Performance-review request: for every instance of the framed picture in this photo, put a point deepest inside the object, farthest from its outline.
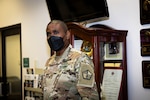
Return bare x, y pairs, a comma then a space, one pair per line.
146, 73
145, 42
145, 11
113, 51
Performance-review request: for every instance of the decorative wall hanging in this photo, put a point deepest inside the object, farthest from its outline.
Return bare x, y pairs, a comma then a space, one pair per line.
146, 73
145, 11
145, 42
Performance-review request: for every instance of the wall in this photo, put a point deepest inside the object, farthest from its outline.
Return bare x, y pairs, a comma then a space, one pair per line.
33, 16
125, 15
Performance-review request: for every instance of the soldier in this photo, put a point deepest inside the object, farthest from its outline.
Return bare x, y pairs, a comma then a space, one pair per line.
69, 73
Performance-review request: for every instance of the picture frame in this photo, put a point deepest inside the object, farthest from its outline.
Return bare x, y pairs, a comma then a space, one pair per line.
144, 12
146, 74
110, 53
145, 42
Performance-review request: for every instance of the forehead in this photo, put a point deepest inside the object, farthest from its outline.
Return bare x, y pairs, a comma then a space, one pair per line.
54, 26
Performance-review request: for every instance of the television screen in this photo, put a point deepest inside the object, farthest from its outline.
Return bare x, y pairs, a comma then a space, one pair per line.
77, 10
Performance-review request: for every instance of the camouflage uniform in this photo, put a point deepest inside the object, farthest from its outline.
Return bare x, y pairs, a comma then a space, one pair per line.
70, 77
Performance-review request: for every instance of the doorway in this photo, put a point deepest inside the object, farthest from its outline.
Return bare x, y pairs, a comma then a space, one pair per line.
11, 67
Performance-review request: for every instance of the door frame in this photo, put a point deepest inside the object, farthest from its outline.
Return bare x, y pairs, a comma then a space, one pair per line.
8, 31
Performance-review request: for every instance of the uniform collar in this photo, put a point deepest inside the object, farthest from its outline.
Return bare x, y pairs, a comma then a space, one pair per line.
64, 55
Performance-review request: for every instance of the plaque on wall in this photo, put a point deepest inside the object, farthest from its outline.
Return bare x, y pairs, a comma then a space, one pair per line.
146, 73
145, 42
145, 11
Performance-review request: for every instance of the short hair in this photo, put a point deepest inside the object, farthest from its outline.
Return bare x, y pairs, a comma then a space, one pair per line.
62, 24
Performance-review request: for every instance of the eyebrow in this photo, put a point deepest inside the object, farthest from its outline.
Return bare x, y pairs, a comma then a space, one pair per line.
53, 31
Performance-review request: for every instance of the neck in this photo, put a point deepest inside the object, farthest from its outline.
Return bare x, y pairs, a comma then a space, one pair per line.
60, 52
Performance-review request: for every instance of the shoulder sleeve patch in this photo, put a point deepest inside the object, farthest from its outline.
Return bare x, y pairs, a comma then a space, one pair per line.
86, 75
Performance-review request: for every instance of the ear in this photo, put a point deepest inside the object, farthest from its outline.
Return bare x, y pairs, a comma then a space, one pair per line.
68, 35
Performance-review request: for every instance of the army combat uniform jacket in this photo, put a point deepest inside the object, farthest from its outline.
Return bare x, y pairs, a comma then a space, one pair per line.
70, 77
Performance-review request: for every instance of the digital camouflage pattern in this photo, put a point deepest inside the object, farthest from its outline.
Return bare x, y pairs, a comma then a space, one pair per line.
70, 77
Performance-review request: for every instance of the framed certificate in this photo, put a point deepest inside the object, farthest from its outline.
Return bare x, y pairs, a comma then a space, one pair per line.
146, 73
111, 84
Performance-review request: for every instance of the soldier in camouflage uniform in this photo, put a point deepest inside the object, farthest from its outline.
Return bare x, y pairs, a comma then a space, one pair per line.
69, 74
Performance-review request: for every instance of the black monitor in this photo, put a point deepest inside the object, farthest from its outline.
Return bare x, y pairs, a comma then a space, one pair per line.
78, 10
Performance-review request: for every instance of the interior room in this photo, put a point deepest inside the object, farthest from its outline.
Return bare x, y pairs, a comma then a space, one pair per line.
32, 17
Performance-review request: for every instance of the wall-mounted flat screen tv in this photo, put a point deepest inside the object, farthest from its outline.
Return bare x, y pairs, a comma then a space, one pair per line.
77, 10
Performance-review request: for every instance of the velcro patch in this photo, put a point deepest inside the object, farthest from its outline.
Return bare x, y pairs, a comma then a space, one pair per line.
86, 75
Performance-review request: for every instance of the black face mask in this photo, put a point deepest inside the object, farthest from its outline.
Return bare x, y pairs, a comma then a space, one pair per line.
56, 43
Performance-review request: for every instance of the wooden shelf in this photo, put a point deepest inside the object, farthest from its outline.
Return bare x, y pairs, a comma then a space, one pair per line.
39, 90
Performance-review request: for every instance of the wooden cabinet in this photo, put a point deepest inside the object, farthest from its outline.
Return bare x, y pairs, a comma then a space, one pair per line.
108, 53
